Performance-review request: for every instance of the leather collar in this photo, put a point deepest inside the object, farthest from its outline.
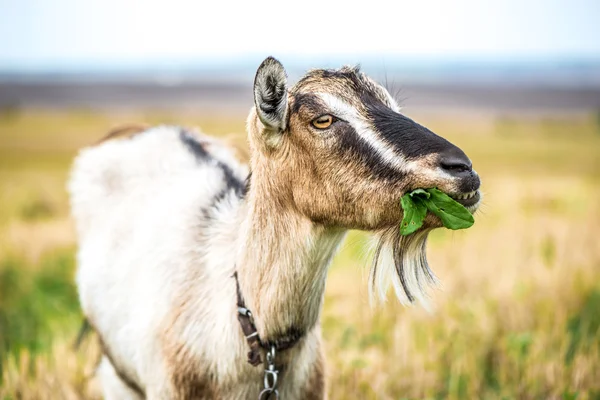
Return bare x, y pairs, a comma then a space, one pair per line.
246, 321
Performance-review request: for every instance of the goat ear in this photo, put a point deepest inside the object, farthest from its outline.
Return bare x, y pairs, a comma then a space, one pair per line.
270, 94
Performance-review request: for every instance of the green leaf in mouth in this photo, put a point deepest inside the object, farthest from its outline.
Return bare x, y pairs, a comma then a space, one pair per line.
416, 203
415, 211
453, 214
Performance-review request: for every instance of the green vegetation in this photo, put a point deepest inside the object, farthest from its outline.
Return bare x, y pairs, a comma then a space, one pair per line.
518, 316
416, 203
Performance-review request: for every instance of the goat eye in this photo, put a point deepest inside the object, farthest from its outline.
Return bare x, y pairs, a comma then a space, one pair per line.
323, 122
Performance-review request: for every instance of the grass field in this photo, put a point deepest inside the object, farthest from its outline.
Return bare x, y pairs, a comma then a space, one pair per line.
517, 317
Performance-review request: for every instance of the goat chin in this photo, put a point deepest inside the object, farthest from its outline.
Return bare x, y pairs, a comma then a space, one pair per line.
401, 261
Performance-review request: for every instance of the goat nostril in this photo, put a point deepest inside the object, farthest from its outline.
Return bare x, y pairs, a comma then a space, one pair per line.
456, 167
455, 164
454, 161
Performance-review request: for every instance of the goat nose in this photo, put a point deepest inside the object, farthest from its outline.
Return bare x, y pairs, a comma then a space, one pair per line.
455, 162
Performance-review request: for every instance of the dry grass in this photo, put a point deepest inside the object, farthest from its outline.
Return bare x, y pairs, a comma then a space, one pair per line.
518, 315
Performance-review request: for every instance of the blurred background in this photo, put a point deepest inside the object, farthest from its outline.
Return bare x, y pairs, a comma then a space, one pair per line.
516, 84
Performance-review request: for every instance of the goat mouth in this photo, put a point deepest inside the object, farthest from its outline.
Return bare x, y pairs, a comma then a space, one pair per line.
470, 200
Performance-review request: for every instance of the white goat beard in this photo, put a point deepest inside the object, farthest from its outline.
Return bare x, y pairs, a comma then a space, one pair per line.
402, 262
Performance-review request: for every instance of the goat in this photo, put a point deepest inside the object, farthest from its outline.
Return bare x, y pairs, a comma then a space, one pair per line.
174, 231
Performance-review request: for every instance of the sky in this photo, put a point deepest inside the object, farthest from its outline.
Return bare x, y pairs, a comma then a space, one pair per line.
54, 34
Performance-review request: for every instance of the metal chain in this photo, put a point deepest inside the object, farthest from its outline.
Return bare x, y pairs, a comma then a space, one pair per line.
270, 391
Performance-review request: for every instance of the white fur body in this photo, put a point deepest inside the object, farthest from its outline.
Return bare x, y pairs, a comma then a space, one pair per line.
144, 244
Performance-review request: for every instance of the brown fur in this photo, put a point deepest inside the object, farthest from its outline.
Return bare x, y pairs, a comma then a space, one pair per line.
326, 186
306, 183
344, 84
188, 377
316, 388
125, 131
302, 185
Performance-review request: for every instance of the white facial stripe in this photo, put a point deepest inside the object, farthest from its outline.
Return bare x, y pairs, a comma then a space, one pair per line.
397, 161
348, 113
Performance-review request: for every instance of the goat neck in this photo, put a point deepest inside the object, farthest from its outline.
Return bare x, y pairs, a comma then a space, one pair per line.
282, 265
